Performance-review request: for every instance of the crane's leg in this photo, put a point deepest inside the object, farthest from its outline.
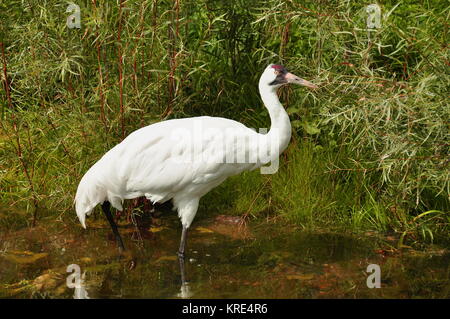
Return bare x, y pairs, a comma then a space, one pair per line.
182, 243
181, 258
182, 272
106, 206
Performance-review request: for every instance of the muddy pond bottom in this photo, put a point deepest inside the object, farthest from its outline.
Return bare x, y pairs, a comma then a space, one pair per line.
224, 259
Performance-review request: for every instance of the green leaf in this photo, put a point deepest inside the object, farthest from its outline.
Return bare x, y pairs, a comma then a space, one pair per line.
292, 110
296, 124
310, 128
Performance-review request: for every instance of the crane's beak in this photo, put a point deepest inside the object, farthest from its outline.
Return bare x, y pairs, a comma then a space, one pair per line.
292, 78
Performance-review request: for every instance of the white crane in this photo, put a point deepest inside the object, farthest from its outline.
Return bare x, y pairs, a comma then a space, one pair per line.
183, 159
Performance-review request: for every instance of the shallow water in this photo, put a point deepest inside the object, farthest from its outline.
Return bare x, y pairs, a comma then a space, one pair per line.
223, 260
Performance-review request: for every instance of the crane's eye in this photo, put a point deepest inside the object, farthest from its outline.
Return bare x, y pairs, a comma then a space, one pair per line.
277, 72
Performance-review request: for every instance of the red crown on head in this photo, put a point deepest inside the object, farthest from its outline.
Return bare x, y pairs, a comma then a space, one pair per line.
277, 67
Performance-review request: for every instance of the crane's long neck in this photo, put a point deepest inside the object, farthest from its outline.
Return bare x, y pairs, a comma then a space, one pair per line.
280, 129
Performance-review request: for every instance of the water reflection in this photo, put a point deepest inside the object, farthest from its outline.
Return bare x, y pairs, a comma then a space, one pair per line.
271, 263
185, 290
80, 289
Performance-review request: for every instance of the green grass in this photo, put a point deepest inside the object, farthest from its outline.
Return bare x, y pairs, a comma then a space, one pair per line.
307, 193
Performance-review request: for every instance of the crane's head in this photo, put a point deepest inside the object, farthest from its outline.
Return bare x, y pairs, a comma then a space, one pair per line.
276, 75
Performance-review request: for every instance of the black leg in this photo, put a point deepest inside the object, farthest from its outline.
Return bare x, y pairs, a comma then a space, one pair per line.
182, 243
106, 206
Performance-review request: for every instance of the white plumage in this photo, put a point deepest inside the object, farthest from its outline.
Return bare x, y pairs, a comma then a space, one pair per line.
183, 159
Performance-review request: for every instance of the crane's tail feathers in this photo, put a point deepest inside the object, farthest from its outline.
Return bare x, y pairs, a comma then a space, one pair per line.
82, 219
89, 194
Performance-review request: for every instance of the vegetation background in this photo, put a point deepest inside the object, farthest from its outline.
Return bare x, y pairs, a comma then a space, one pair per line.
370, 149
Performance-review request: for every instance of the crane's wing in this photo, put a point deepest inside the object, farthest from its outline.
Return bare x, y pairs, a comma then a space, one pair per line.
185, 155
